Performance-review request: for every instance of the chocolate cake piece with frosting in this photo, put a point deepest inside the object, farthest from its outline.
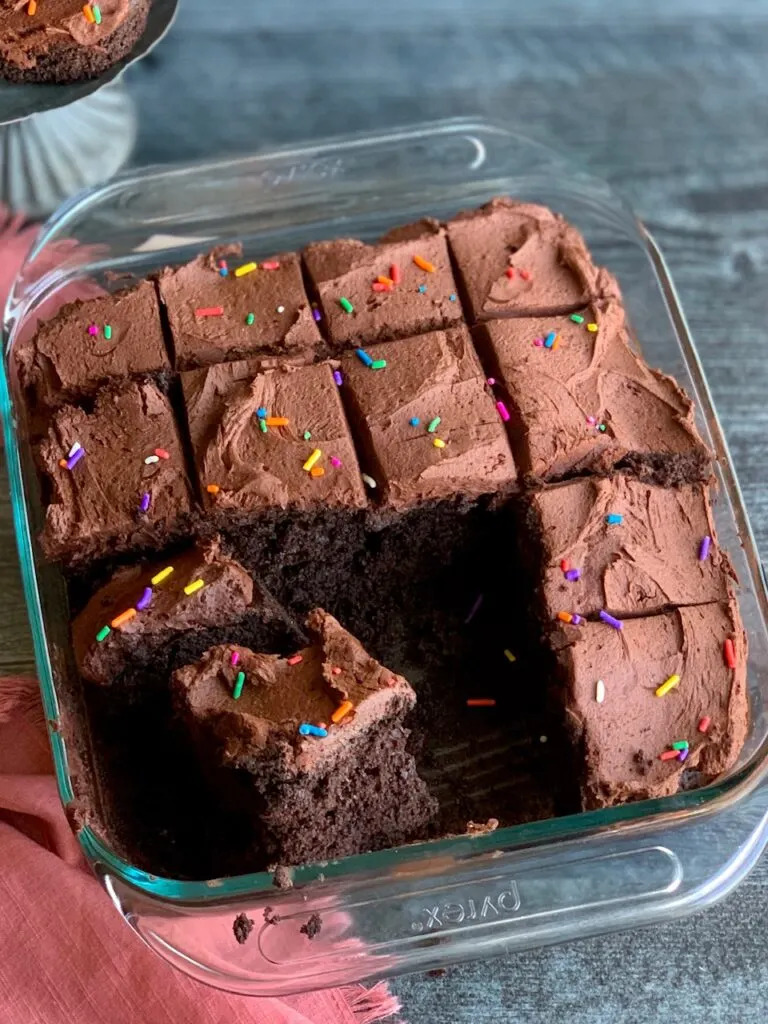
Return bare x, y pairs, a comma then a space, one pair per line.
401, 286
519, 259
321, 738
66, 40
426, 423
89, 343
224, 306
581, 399
665, 694
114, 478
624, 546
148, 617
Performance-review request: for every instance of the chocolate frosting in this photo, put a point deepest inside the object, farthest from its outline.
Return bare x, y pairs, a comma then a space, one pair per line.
278, 696
283, 330
256, 470
624, 735
227, 595
348, 268
647, 562
560, 397
553, 271
63, 362
96, 504
24, 39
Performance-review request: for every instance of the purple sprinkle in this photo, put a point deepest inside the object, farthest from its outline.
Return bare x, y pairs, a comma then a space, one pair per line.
337, 377
573, 574
145, 503
683, 754
610, 621
704, 549
73, 460
335, 462
474, 609
316, 315
144, 600
576, 620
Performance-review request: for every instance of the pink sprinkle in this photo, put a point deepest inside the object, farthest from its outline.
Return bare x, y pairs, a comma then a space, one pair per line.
335, 462
235, 658
295, 659
491, 381
336, 671
93, 329
145, 503
271, 265
591, 421
145, 599
538, 342
503, 412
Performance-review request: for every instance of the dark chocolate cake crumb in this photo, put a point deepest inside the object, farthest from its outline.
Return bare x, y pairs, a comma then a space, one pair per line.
312, 927
283, 879
242, 927
271, 916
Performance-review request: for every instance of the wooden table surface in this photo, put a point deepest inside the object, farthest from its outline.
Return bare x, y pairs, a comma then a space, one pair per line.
669, 100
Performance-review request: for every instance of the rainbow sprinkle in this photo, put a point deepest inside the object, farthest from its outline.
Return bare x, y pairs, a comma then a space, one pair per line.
346, 305
295, 659
88, 14
729, 653
614, 519
433, 425
577, 319
151, 460
305, 729
193, 587
509, 655
313, 458
667, 685
335, 462
600, 691
414, 421
271, 265
474, 609
549, 341
246, 268
162, 575
124, 617
210, 311
108, 331
103, 634
145, 501
481, 702
337, 378
363, 356
74, 458
379, 364
704, 549
368, 480
572, 575
423, 264
438, 442
609, 620
250, 319
238, 687
705, 723
342, 711
235, 657
145, 600
502, 411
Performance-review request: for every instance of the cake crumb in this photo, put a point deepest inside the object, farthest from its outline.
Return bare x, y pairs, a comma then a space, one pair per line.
242, 927
282, 878
312, 927
475, 828
271, 916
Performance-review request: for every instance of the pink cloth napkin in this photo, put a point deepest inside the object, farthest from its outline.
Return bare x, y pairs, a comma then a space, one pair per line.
66, 957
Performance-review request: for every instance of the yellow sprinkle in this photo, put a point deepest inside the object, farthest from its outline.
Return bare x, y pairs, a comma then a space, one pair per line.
247, 268
667, 685
592, 328
424, 264
213, 488
342, 711
438, 443
316, 454
509, 655
163, 575
194, 586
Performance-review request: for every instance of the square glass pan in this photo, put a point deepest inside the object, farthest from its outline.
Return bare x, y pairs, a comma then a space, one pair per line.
430, 904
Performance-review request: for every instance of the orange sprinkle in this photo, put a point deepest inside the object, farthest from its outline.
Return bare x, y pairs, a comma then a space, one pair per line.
63, 463
89, 15
317, 471
336, 671
122, 619
277, 421
32, 7
555, 344
705, 723
394, 273
424, 264
730, 653
669, 755
342, 710
565, 616
213, 488
385, 280
295, 660
481, 702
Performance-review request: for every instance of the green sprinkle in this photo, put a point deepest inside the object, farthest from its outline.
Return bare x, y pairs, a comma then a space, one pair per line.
103, 633
378, 364
238, 685
263, 426
346, 305
602, 427
307, 436
249, 319
680, 745
577, 319
96, 13
433, 425
107, 331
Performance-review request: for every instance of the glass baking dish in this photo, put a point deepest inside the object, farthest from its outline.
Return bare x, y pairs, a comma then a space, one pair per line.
430, 904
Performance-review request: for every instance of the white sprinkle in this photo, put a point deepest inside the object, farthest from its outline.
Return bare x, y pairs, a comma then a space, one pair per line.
542, 739
281, 309
369, 480
600, 691
150, 459
75, 448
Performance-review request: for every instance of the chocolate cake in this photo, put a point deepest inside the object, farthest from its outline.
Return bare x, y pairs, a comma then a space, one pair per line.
664, 695
321, 737
624, 546
224, 306
66, 40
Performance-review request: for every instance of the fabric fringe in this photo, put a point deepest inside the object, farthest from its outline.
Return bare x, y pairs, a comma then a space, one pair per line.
371, 1004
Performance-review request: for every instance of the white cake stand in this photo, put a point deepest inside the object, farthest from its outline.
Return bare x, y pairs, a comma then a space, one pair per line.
58, 139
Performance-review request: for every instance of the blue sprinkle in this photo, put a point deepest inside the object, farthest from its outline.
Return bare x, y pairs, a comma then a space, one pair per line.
312, 730
550, 339
261, 412
415, 421
614, 518
422, 288
452, 297
363, 356
223, 271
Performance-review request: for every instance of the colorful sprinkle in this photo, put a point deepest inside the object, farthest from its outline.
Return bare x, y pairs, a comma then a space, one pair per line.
32, 7
565, 565
474, 609
161, 453
422, 289
577, 319
614, 518
680, 745
193, 587
602, 427
704, 548
307, 435
363, 356
295, 659
317, 471
668, 755
213, 488
502, 411
379, 364
490, 381
549, 341
313, 458
281, 309
667, 685
271, 265
591, 421
378, 287
525, 274
704, 723
262, 411
342, 711
385, 280
394, 273
75, 448
452, 297
209, 311
538, 342
729, 653
162, 575
238, 687
572, 575
481, 702
609, 620
103, 634
592, 328
335, 462
277, 421
305, 729
438, 442
510, 272
423, 264
599, 691
509, 655
151, 460
338, 379
108, 331
234, 658
96, 13
556, 344
145, 600
569, 618
224, 271
335, 671
263, 426
368, 481
250, 319
90, 17
73, 460
346, 305
317, 315
433, 425
414, 421
124, 617
246, 268
146, 498
683, 754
